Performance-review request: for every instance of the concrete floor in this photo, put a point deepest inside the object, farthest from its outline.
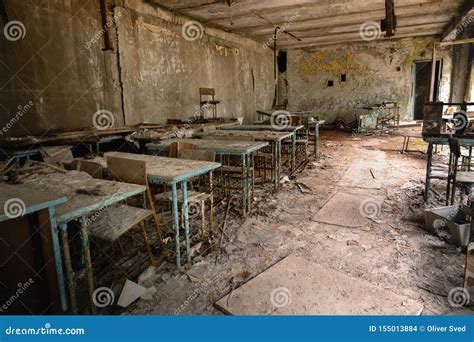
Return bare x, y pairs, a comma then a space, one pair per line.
391, 251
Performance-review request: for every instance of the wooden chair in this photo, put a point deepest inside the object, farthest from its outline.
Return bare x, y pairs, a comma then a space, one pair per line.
196, 200
94, 169
457, 179
134, 171
177, 147
207, 99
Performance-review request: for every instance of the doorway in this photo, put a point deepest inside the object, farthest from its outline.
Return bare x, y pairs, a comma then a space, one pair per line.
421, 86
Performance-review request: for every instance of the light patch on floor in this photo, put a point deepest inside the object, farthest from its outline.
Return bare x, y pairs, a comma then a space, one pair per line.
295, 286
350, 210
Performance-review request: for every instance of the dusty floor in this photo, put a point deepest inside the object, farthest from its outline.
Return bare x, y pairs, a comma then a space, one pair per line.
392, 251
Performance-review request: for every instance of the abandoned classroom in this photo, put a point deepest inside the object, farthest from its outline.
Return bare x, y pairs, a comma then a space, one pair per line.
231, 157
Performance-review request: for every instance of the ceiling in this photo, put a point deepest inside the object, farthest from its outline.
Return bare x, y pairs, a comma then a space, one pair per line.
317, 22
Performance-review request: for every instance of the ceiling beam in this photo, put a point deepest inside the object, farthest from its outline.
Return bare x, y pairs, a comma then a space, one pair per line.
465, 17
342, 28
259, 19
355, 37
339, 20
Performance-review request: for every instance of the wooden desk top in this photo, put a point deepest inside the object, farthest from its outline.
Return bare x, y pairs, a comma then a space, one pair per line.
269, 112
85, 195
257, 135
169, 170
256, 127
22, 199
227, 147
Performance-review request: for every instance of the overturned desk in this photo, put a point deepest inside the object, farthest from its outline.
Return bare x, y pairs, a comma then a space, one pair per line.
171, 171
222, 148
273, 138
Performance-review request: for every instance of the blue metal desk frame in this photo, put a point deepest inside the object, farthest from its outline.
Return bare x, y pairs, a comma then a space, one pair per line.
173, 181
432, 141
80, 214
245, 154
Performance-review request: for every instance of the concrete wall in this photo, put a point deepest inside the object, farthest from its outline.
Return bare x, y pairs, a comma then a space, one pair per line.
376, 72
152, 75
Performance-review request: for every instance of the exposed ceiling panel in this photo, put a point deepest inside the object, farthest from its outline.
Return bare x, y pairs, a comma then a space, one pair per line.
319, 22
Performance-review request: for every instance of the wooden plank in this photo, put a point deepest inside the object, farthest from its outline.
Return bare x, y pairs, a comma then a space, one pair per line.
295, 286
257, 135
84, 194
26, 198
218, 146
116, 221
164, 169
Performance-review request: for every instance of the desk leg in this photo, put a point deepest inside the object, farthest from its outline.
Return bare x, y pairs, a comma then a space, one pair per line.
68, 265
252, 175
293, 152
184, 188
211, 199
275, 166
316, 141
57, 258
278, 164
89, 270
244, 185
428, 171
174, 193
249, 183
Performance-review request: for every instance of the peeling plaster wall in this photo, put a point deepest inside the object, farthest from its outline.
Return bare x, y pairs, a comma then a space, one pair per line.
376, 72
162, 71
52, 67
154, 75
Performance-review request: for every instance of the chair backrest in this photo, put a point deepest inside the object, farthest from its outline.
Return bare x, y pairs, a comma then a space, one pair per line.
127, 170
204, 155
94, 169
207, 92
178, 146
